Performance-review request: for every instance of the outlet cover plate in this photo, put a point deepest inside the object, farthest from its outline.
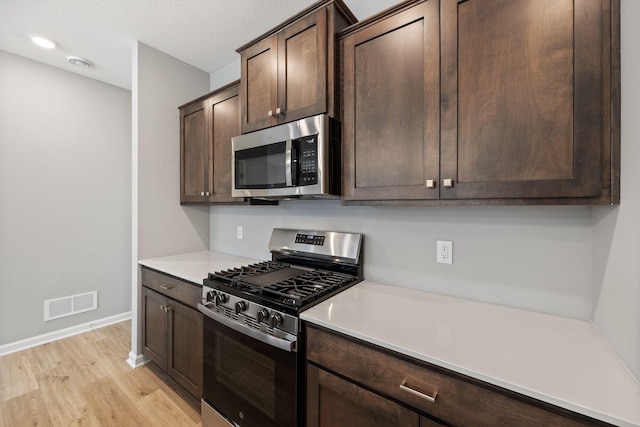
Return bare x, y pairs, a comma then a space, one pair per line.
444, 252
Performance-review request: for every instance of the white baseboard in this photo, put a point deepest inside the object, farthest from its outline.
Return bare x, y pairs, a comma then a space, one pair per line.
137, 360
63, 333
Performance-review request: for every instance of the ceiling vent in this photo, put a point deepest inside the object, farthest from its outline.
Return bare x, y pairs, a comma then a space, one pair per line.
79, 61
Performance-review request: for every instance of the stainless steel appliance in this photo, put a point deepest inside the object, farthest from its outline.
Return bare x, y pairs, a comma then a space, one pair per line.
253, 341
300, 159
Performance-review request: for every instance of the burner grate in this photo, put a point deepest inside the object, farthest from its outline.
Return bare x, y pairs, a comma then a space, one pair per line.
298, 290
231, 276
294, 291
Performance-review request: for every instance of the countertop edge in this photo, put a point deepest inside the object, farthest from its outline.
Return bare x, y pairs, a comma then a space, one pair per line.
195, 266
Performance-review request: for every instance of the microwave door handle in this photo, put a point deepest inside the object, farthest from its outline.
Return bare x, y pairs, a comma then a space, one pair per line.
288, 163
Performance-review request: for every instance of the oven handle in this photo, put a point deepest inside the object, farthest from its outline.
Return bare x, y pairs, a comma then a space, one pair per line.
280, 343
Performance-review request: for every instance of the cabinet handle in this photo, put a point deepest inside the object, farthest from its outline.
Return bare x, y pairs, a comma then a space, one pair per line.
270, 113
206, 193
167, 287
430, 183
447, 183
431, 399
165, 308
278, 111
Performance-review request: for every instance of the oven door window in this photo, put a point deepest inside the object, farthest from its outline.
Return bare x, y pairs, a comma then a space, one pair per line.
261, 167
250, 382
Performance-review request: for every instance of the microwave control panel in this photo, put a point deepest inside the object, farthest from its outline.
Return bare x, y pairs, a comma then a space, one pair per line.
308, 162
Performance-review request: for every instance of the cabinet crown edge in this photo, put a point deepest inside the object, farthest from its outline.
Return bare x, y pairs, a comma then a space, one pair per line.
210, 94
339, 4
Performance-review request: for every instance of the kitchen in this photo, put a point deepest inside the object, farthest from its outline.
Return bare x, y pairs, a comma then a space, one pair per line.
576, 262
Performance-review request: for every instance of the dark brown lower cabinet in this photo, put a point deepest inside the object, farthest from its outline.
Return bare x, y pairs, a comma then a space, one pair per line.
353, 383
172, 337
335, 402
154, 327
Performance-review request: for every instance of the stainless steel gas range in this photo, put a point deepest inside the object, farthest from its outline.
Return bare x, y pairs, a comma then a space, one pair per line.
253, 342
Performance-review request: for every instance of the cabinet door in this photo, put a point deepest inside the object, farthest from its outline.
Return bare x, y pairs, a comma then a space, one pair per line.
185, 346
258, 91
194, 154
391, 75
302, 68
334, 402
224, 119
154, 327
522, 98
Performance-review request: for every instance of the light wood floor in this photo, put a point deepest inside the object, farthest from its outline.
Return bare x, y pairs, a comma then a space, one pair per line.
85, 380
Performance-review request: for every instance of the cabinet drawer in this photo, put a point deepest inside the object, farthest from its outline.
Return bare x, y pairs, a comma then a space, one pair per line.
453, 400
180, 290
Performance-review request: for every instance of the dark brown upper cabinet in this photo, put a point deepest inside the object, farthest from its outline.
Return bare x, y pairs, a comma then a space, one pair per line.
520, 103
391, 115
207, 125
290, 72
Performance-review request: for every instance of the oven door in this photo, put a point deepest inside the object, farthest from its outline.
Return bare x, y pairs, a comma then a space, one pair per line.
251, 382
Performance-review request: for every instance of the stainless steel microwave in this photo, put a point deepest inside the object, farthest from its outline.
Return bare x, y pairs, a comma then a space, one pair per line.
300, 159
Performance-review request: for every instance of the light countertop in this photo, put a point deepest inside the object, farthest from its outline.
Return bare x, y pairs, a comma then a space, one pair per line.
561, 361
195, 266
565, 362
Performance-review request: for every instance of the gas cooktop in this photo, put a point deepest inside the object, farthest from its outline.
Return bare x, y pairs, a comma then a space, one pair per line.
281, 282
306, 268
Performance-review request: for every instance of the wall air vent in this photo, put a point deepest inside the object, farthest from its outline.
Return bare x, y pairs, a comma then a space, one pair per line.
68, 306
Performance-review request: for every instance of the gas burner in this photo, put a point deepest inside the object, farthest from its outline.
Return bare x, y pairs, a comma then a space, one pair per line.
234, 276
297, 290
281, 282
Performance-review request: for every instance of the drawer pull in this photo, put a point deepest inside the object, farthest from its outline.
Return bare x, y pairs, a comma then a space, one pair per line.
166, 308
431, 399
167, 287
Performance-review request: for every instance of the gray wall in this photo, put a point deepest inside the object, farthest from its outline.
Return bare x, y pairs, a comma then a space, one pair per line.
162, 83
577, 262
537, 258
160, 225
65, 195
616, 232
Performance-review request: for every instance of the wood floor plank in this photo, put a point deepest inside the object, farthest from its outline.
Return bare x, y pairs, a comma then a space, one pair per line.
16, 377
26, 409
62, 395
85, 380
111, 406
163, 410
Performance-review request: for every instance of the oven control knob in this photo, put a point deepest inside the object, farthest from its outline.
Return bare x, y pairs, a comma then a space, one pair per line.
263, 315
275, 320
240, 307
210, 296
219, 299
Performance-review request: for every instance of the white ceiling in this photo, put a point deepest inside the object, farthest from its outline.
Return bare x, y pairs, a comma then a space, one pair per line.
203, 33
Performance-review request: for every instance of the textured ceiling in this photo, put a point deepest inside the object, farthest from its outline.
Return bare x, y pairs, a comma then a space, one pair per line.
203, 33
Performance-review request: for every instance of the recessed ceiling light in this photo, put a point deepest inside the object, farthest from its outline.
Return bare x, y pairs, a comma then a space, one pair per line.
79, 61
43, 42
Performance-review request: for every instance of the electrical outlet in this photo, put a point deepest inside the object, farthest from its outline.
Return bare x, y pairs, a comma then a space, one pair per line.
444, 251
239, 232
